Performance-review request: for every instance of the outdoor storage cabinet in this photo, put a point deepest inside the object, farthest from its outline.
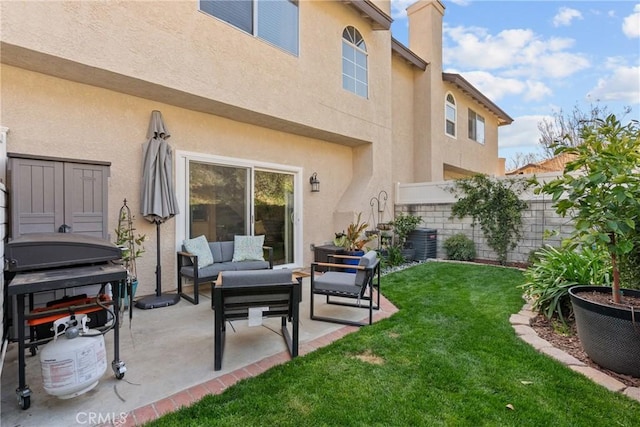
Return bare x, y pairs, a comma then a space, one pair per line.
47, 194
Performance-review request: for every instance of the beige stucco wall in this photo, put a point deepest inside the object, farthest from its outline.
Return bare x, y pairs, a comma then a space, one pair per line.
402, 160
54, 117
462, 152
174, 45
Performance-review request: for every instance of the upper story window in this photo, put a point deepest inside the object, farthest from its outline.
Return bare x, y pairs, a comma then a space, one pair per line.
476, 127
354, 62
450, 115
275, 21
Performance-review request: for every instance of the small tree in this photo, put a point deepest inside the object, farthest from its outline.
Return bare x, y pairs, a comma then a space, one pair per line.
495, 205
601, 189
403, 225
564, 128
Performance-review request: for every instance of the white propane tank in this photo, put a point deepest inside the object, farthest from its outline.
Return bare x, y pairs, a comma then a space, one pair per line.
75, 360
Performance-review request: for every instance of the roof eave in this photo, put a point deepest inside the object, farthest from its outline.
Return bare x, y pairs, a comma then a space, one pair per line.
469, 89
408, 55
379, 20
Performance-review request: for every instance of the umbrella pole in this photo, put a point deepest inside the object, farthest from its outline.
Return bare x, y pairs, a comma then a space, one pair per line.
158, 300
158, 266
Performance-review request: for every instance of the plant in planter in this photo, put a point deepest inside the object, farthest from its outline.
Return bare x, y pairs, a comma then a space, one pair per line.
403, 225
131, 245
599, 190
355, 238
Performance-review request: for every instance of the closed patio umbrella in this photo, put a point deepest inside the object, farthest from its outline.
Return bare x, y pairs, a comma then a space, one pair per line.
158, 198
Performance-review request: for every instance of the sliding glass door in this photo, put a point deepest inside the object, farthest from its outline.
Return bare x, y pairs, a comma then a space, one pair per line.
218, 201
274, 215
227, 200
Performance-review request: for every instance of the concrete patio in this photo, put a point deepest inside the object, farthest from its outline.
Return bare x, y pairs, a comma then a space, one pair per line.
169, 358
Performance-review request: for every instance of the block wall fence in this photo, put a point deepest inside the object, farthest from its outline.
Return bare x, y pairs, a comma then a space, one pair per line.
436, 214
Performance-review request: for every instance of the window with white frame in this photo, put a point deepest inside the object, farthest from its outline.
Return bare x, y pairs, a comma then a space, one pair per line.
275, 21
476, 127
354, 62
450, 115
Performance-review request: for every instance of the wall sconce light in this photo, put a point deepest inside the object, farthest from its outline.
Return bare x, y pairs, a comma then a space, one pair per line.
315, 183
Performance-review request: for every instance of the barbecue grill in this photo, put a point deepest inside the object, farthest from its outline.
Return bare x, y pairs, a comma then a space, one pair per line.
46, 262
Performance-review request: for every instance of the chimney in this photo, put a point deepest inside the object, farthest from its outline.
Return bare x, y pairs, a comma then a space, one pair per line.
425, 31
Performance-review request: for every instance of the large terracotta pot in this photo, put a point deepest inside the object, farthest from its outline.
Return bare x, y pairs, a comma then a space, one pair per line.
609, 335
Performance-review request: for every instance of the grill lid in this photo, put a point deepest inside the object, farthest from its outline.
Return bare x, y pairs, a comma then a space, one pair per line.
48, 250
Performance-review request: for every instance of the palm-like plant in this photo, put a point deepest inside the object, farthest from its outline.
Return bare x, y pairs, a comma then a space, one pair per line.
354, 239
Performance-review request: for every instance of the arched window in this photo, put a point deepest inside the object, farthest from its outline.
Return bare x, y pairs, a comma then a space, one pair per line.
450, 114
354, 62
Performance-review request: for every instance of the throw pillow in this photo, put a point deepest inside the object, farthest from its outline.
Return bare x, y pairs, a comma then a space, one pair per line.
248, 248
199, 247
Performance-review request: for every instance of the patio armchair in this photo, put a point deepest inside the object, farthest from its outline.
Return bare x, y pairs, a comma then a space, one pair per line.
337, 284
239, 294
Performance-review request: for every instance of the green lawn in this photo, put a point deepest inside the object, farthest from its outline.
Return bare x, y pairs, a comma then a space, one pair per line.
448, 357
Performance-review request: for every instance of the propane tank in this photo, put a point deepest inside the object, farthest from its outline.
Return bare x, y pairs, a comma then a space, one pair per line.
75, 360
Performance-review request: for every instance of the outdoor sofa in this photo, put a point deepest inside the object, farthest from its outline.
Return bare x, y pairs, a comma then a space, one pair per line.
200, 261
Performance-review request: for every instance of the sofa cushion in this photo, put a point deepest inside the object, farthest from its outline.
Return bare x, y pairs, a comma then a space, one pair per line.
368, 260
199, 247
257, 277
227, 251
216, 251
209, 272
248, 248
337, 281
251, 265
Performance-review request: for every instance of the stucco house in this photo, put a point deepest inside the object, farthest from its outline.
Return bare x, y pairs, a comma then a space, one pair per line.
258, 96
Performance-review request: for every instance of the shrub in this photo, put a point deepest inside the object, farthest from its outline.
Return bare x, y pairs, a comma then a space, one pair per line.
557, 270
630, 269
460, 248
403, 225
394, 257
534, 256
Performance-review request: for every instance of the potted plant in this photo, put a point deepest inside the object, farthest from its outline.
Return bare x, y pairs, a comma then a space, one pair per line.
403, 225
600, 190
354, 240
131, 245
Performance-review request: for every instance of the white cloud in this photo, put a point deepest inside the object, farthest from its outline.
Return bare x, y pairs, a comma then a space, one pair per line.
536, 91
521, 136
515, 52
565, 16
492, 86
399, 8
623, 84
631, 24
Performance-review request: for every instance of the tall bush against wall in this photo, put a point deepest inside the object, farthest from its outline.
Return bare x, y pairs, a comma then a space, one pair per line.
496, 206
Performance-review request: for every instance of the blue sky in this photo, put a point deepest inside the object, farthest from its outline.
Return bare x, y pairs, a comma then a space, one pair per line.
535, 57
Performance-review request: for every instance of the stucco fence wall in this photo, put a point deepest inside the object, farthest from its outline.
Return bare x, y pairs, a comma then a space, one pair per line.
433, 203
